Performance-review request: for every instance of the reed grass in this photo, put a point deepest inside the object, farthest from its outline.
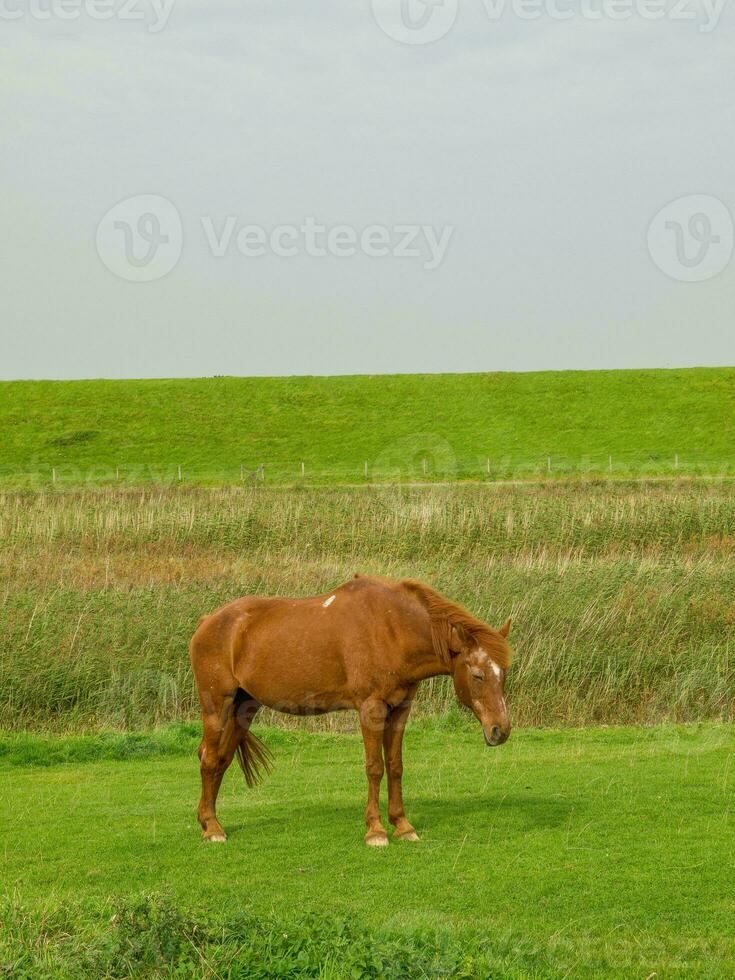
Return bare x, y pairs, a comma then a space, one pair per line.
623, 595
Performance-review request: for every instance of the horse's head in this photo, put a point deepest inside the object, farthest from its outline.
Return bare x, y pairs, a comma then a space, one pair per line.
479, 681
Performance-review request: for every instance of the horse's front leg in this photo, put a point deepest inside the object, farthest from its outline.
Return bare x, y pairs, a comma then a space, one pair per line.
393, 746
372, 722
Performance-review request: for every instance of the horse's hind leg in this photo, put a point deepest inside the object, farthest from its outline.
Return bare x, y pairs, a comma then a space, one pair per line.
223, 730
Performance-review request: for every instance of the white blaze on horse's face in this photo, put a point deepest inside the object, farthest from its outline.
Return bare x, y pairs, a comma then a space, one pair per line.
480, 685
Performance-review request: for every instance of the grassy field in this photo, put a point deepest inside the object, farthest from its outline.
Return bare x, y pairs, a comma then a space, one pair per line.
622, 595
404, 427
571, 851
576, 853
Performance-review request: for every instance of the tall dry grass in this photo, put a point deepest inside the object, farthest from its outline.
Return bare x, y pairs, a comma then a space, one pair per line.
623, 596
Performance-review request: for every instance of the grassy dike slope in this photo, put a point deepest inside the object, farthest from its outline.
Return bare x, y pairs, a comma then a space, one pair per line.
212, 425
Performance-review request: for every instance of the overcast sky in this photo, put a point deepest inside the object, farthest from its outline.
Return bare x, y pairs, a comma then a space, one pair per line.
518, 164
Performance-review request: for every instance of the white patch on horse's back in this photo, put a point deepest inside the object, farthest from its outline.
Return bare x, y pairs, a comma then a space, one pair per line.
329, 601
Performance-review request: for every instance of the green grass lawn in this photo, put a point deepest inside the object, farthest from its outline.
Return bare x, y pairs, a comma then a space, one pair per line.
413, 427
564, 853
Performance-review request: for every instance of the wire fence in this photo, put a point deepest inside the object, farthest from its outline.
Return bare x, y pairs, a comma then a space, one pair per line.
414, 470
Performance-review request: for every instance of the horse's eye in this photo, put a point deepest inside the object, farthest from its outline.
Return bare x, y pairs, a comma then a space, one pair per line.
478, 675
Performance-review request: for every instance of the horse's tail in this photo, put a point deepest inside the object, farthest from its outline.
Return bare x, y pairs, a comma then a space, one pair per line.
254, 756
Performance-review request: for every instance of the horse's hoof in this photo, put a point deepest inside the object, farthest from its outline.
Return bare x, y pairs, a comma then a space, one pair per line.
215, 838
376, 840
409, 835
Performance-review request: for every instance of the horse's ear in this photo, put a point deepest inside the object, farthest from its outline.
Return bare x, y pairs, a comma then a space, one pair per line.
458, 639
505, 628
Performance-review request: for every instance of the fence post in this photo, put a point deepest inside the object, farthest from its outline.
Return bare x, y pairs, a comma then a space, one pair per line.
423, 466
366, 469
609, 462
117, 472
179, 471
53, 474
676, 461
548, 464
303, 470
488, 465
242, 472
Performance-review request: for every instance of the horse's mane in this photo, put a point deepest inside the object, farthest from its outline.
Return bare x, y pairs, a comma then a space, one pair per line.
445, 614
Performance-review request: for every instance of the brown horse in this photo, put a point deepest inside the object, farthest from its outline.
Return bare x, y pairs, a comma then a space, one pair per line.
365, 646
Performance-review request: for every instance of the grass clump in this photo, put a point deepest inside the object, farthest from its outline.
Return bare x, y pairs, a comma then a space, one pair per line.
150, 936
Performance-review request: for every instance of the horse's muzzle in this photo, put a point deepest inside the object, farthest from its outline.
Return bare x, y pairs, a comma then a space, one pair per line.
496, 735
